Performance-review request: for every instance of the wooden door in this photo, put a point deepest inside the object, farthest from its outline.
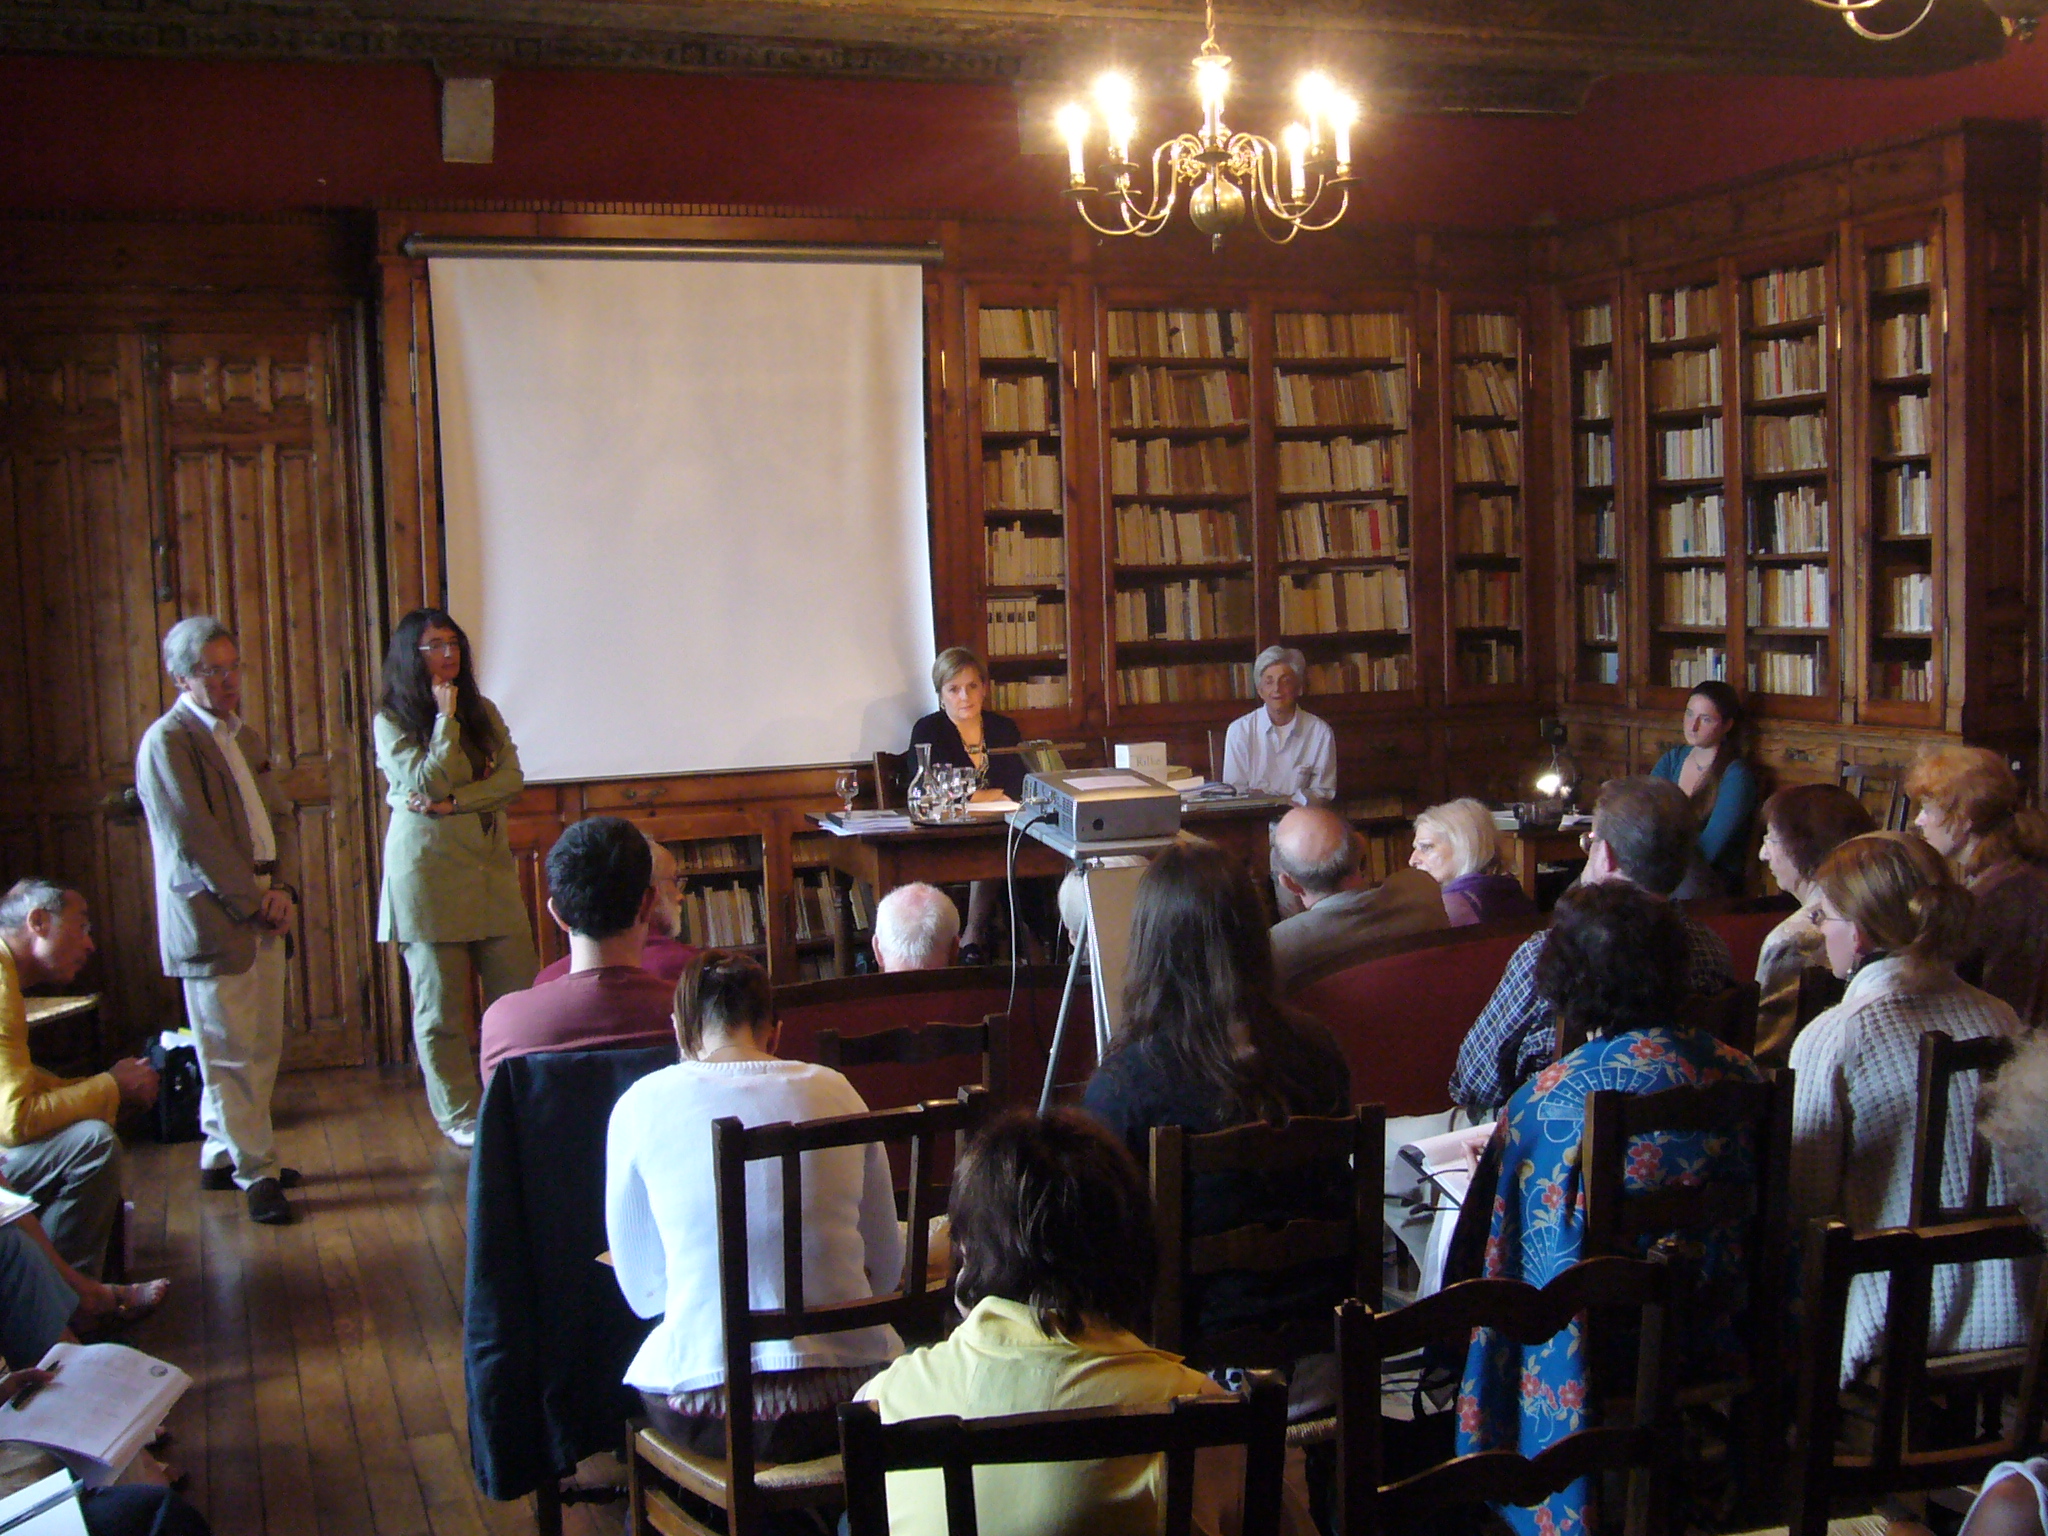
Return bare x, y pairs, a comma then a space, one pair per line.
146, 474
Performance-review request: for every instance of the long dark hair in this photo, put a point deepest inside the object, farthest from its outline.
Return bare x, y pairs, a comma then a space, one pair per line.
1728, 705
1200, 978
409, 696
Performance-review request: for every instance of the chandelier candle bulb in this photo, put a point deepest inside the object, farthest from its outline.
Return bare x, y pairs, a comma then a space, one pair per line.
1295, 137
1212, 83
1072, 123
1343, 113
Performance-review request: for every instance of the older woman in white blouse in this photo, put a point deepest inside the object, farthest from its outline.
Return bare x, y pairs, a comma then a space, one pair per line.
1892, 918
661, 1218
1280, 748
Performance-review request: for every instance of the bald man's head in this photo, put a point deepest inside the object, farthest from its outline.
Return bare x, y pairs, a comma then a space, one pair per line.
1316, 852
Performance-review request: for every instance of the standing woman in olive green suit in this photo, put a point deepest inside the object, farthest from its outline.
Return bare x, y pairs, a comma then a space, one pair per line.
451, 892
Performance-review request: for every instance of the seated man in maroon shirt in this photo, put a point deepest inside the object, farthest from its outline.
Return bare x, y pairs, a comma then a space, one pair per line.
666, 954
601, 894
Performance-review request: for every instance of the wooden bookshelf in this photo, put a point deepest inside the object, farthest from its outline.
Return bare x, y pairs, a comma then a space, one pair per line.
1485, 597
1593, 523
722, 880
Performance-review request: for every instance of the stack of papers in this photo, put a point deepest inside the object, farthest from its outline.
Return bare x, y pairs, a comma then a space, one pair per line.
855, 823
105, 1402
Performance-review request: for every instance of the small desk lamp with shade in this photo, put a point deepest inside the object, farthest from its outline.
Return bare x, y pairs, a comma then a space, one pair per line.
1556, 785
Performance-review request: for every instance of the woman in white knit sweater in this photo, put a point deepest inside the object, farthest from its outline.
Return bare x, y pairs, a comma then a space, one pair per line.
661, 1217
1893, 918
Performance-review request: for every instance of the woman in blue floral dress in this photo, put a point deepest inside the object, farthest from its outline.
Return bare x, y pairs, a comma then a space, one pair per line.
1613, 966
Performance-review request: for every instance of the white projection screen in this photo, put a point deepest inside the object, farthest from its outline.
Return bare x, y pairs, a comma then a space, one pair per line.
685, 506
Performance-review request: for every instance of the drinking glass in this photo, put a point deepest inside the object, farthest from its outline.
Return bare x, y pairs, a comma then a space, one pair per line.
847, 786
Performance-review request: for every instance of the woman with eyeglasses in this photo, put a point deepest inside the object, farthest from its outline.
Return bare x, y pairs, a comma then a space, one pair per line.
1892, 919
451, 891
1710, 768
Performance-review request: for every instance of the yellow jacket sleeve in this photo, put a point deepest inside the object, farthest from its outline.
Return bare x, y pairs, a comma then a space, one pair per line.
35, 1103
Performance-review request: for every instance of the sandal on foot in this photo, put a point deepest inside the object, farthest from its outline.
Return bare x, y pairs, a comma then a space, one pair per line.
132, 1303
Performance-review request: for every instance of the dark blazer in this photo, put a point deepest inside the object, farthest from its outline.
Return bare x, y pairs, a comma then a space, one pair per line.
546, 1334
1005, 771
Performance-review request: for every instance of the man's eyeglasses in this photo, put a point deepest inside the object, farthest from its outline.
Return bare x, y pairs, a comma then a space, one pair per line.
1586, 841
214, 674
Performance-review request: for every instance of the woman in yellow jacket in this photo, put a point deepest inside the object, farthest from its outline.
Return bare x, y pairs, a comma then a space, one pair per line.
451, 891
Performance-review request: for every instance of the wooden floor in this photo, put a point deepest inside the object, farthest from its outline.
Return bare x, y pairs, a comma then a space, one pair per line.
326, 1357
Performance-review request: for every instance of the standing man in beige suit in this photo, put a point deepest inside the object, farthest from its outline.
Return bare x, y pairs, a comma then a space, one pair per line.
227, 864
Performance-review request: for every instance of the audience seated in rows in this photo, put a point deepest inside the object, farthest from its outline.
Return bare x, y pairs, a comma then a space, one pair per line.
1802, 826
664, 953
603, 896
1053, 1232
1458, 846
1206, 1044
1970, 812
660, 1219
58, 1134
917, 928
1893, 918
1317, 861
1611, 970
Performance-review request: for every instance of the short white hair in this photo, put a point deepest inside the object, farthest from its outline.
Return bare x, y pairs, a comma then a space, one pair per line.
1466, 826
187, 639
1275, 655
28, 896
915, 926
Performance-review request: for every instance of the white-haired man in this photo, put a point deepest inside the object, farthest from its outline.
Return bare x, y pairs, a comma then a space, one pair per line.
917, 928
1280, 748
226, 849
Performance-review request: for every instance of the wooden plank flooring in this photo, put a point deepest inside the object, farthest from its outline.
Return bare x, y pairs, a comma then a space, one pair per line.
326, 1356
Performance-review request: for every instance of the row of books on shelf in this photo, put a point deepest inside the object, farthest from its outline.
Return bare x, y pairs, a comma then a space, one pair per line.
1344, 602
1485, 388
1200, 608
1906, 496
1789, 596
1016, 405
1044, 691
1788, 672
1170, 536
1487, 456
1344, 530
1488, 525
1912, 603
1697, 595
1190, 682
1158, 466
710, 855
1905, 423
1344, 464
1778, 444
1786, 295
1901, 266
1486, 599
1216, 333
1689, 453
1020, 559
1686, 381
1592, 326
1361, 672
1020, 333
1026, 626
1600, 667
1682, 313
1692, 525
1596, 460
1791, 521
1485, 331
1179, 397
1909, 681
1374, 398
814, 906
1596, 533
1789, 365
1489, 663
1690, 665
1380, 335
1600, 614
722, 916
1021, 480
1596, 391
1899, 347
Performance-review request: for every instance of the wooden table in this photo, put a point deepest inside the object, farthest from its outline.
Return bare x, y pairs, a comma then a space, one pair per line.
974, 851
1530, 845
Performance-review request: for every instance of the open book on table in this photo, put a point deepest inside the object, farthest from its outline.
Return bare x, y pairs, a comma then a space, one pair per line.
103, 1405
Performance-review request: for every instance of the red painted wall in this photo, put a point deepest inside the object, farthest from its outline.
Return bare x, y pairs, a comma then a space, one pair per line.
84, 134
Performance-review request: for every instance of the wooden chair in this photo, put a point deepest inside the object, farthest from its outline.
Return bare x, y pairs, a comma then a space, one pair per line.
1729, 1016
872, 1450
1216, 735
909, 1045
1882, 789
1835, 1256
892, 779
1942, 1057
738, 1483
1366, 1340
1819, 990
1618, 1219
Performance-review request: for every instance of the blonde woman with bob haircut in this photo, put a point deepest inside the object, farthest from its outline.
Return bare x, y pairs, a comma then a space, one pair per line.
1970, 810
1458, 846
962, 734
1893, 917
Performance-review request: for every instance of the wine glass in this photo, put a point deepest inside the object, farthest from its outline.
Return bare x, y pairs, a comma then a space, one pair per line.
847, 787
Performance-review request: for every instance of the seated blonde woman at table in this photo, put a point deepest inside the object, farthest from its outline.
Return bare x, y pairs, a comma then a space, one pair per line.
1458, 846
962, 734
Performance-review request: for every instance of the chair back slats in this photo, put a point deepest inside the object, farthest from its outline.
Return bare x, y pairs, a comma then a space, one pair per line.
1258, 1252
1729, 1016
1515, 1309
1256, 1420
892, 778
910, 1045
1942, 1059
1507, 1477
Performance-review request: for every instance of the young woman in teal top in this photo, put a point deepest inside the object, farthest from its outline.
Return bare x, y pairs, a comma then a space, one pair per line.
1721, 786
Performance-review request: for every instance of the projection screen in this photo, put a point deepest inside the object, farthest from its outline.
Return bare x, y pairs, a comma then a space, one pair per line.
685, 506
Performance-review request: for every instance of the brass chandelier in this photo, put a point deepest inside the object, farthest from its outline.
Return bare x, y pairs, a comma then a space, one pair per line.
2019, 17
1301, 183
